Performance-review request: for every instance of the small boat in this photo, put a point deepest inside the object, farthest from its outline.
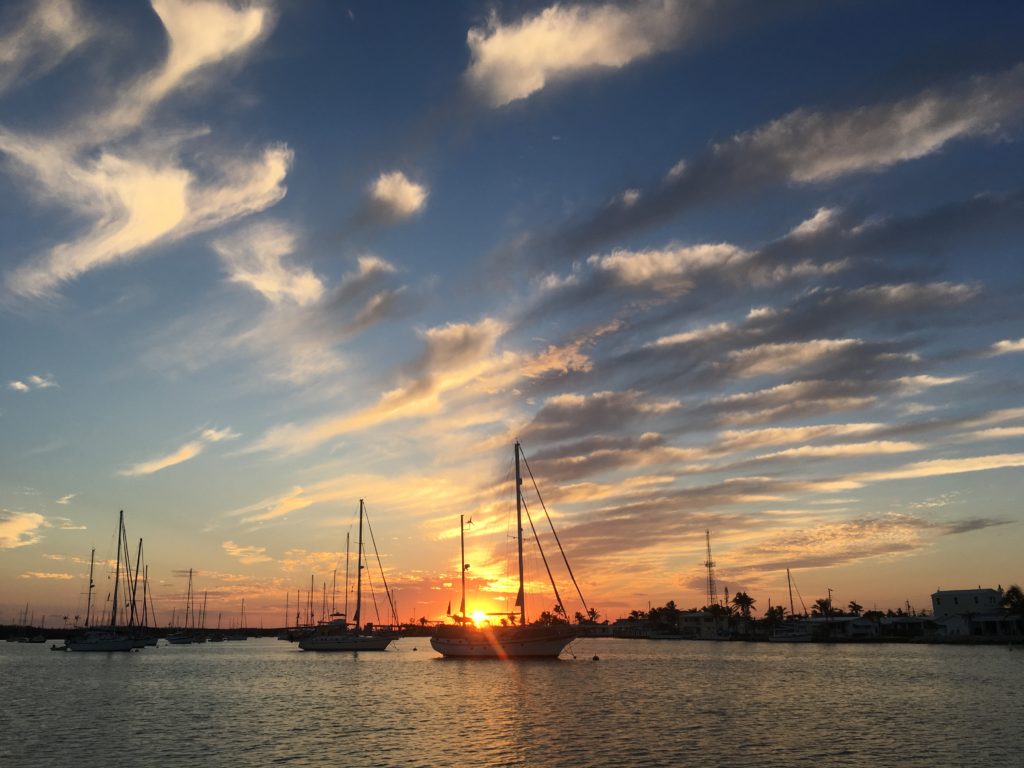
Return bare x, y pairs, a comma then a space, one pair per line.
533, 641
338, 634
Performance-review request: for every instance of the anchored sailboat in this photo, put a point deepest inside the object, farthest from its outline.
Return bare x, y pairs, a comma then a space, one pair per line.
522, 640
110, 639
337, 634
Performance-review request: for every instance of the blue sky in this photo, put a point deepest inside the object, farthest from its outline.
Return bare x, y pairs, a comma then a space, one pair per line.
732, 266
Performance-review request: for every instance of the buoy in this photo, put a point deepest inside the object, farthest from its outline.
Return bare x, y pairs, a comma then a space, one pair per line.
415, 649
596, 657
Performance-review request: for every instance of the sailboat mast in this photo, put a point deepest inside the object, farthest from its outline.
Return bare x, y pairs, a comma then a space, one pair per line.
789, 583
348, 535
117, 573
88, 600
462, 541
334, 592
188, 598
359, 568
287, 597
521, 599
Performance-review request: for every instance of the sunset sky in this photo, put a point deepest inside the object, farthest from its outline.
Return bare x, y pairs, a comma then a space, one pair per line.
738, 266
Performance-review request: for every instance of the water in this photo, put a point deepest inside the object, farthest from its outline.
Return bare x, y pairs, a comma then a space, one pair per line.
645, 703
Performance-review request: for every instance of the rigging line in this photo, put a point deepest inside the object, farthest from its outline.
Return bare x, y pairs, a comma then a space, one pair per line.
373, 595
557, 540
380, 565
800, 596
558, 597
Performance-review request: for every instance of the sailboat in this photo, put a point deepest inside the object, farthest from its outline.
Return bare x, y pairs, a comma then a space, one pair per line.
185, 635
109, 639
537, 641
337, 634
793, 629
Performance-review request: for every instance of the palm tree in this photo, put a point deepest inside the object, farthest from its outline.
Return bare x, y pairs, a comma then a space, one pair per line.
822, 607
855, 607
744, 603
1013, 600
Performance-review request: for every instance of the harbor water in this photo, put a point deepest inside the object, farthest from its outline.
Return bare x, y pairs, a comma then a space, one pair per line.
642, 703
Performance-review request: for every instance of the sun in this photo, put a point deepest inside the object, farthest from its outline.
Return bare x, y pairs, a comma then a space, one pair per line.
479, 617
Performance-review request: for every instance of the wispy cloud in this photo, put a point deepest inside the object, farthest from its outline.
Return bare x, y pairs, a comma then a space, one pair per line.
246, 554
255, 258
46, 575
66, 499
144, 191
188, 451
20, 529
39, 36
511, 61
455, 357
32, 382
808, 146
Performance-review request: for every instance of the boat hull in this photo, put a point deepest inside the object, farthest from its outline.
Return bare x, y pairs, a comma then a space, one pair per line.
348, 642
100, 643
502, 642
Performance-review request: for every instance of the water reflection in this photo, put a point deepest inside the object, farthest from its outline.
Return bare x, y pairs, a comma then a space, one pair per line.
643, 703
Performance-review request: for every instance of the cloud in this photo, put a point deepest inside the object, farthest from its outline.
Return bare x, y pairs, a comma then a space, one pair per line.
48, 32
940, 467
138, 203
671, 269
67, 498
186, 452
34, 381
457, 357
785, 357
873, 448
246, 554
393, 196
143, 190
510, 61
46, 575
20, 529
254, 258
809, 146
1008, 346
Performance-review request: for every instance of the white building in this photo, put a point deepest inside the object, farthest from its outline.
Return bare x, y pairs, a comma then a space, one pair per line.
961, 602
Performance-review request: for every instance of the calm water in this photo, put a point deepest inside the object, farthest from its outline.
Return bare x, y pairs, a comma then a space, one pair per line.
263, 702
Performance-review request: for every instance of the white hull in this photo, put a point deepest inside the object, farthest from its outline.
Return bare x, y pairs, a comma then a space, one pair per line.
501, 642
345, 642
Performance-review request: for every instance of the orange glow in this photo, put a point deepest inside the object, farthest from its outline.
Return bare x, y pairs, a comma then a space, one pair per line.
479, 617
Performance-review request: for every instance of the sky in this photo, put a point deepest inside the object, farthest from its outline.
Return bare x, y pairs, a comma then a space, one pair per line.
739, 267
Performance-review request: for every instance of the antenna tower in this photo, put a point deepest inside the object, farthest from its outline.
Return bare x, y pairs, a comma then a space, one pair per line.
710, 565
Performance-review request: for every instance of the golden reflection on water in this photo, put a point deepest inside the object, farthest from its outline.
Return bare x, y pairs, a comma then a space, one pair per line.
644, 703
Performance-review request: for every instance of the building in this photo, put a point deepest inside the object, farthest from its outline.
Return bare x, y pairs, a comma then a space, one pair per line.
962, 602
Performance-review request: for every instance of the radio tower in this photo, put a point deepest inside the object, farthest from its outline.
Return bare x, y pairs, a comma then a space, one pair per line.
710, 565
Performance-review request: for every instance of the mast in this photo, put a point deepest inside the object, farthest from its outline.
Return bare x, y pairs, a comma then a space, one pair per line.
188, 598
348, 535
117, 573
521, 598
145, 595
287, 595
203, 622
334, 592
135, 585
789, 583
462, 541
359, 568
242, 625
88, 600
